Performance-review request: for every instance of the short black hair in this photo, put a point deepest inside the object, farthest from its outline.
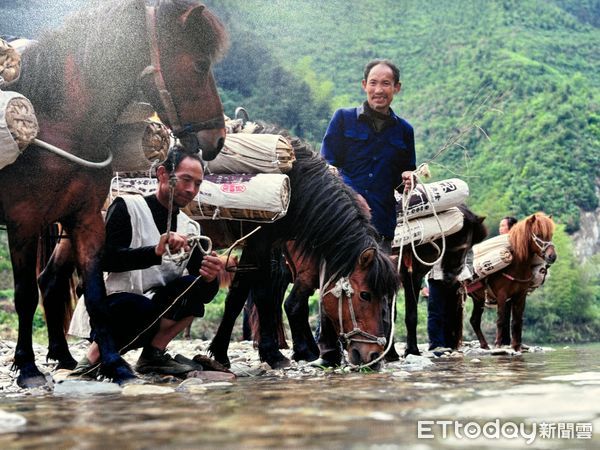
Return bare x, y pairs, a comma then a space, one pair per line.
388, 63
177, 154
510, 221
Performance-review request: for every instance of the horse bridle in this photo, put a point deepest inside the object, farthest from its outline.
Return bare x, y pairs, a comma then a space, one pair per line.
341, 289
542, 245
179, 130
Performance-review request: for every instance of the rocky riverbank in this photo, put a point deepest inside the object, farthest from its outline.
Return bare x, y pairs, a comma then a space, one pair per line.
244, 363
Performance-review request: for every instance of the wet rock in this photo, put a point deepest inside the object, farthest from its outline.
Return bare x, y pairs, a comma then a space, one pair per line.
209, 375
218, 385
10, 422
132, 390
414, 362
83, 388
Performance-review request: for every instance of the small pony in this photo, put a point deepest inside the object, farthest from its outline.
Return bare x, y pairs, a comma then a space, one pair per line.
530, 239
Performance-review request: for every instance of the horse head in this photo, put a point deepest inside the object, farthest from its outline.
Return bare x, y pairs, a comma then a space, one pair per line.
541, 228
185, 39
358, 307
461, 242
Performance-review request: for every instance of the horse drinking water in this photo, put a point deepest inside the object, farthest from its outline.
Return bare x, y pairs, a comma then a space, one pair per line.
80, 79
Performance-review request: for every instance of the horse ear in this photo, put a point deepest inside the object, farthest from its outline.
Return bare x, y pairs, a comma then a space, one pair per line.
366, 258
480, 219
190, 13
531, 219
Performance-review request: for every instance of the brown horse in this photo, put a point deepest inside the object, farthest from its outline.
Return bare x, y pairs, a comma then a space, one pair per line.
79, 79
529, 238
328, 226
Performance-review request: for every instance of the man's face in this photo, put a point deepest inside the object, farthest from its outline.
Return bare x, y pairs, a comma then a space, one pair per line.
380, 88
503, 228
189, 177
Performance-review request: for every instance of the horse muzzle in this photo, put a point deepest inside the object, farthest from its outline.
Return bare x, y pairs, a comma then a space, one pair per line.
208, 142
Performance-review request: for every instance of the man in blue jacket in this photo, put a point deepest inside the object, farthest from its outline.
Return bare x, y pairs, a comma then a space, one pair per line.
373, 148
374, 151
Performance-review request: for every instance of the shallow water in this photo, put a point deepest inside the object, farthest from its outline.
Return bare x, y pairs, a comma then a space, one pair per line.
552, 394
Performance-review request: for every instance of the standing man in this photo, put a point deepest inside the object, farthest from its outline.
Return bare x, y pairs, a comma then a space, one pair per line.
373, 148
141, 283
374, 151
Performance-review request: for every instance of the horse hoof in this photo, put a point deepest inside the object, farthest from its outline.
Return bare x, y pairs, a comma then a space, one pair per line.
411, 351
280, 363
28, 382
69, 364
305, 355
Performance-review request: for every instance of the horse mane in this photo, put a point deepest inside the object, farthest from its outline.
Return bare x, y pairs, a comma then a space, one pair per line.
326, 220
520, 234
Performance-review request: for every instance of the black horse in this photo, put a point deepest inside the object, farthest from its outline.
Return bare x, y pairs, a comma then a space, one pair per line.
413, 271
327, 224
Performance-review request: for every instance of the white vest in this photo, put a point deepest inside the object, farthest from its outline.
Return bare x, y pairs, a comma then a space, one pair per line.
145, 233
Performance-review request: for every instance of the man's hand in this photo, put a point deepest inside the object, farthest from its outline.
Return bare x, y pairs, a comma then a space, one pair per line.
211, 267
176, 242
407, 180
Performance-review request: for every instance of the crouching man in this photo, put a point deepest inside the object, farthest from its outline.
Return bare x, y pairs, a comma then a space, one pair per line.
141, 284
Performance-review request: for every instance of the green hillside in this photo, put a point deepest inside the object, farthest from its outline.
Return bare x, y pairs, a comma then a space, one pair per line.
516, 80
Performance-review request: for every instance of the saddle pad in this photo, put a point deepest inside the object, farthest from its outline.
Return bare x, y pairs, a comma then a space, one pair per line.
441, 195
259, 198
253, 153
427, 229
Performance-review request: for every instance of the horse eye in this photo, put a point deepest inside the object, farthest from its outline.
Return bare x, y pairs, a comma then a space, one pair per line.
366, 296
201, 66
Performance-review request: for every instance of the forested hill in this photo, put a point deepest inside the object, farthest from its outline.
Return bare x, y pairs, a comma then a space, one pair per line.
511, 87
516, 83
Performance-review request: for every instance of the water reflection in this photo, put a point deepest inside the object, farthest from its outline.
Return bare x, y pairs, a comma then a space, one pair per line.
376, 410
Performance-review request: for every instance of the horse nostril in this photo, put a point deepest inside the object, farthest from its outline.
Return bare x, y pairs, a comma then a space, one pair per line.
355, 356
220, 144
373, 356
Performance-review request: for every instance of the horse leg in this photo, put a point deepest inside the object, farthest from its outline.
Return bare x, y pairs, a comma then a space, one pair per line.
500, 320
296, 308
518, 308
411, 296
234, 303
475, 321
55, 286
23, 252
506, 328
87, 238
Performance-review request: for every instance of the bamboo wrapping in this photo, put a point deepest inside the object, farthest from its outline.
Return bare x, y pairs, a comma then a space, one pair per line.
253, 153
440, 195
491, 255
427, 229
257, 197
18, 126
10, 63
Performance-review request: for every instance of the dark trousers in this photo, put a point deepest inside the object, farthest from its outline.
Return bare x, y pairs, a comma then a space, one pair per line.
441, 309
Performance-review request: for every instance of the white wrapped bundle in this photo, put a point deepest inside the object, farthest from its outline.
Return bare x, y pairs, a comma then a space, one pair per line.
18, 126
491, 255
427, 229
440, 195
253, 153
129, 186
258, 197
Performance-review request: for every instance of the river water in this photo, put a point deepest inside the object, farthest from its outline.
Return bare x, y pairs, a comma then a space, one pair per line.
548, 399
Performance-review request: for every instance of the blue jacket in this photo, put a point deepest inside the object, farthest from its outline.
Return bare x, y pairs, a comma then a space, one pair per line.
371, 162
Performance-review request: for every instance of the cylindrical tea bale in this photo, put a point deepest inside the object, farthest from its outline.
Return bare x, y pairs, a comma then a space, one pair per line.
18, 126
10, 63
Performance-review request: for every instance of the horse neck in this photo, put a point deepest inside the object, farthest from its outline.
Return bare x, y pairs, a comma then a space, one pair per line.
80, 114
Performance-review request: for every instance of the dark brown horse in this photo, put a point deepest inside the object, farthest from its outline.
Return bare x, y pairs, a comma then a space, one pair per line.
413, 271
79, 79
327, 225
529, 238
